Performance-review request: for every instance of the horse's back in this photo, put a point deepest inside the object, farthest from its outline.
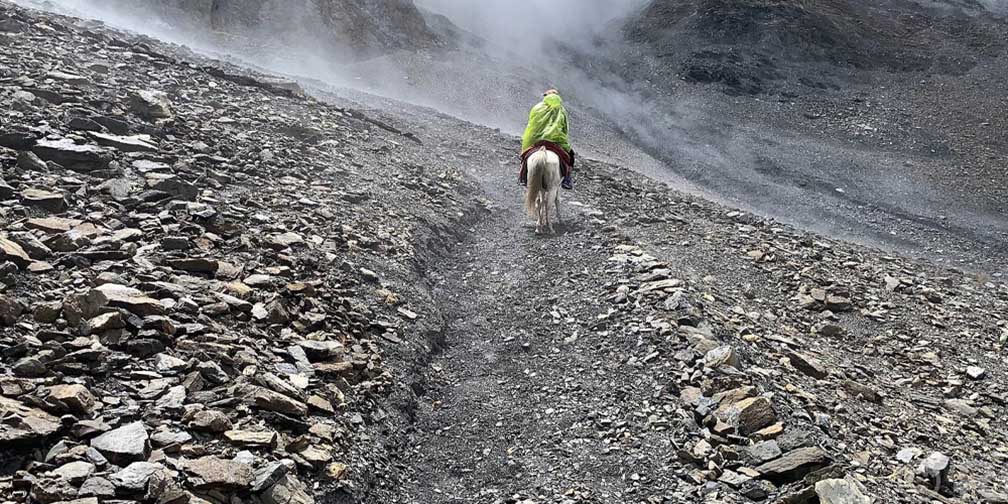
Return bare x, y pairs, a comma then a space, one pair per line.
544, 158
543, 180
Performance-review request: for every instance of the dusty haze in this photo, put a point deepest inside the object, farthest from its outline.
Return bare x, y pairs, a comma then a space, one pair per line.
528, 24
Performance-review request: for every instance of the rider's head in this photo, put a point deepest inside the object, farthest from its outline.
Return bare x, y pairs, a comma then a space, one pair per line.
551, 92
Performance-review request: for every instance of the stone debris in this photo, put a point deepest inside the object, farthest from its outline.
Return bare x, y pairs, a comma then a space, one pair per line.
808, 365
179, 325
212, 291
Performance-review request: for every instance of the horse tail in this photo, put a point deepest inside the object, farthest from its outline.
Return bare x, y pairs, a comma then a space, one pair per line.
536, 178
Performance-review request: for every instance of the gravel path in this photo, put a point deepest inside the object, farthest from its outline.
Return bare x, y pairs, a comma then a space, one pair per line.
513, 410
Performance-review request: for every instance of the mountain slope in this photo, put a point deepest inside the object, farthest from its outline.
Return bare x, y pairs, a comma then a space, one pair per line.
214, 288
747, 44
344, 29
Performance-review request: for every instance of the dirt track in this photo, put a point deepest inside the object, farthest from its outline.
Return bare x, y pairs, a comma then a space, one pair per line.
556, 382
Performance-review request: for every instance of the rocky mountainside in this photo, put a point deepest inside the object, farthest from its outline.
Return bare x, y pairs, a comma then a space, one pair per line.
747, 45
876, 121
343, 29
197, 269
217, 288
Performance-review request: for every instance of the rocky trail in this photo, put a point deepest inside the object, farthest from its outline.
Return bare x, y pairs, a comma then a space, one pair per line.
217, 288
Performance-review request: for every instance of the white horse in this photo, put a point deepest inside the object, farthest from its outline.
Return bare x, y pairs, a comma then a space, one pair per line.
543, 188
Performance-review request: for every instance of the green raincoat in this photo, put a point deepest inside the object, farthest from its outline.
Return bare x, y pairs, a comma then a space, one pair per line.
547, 121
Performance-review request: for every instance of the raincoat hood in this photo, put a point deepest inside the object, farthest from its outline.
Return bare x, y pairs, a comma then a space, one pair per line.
547, 121
553, 100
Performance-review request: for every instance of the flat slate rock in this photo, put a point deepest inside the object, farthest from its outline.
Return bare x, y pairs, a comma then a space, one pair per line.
10, 251
794, 465
127, 443
45, 200
134, 477
82, 158
134, 143
52, 225
131, 299
221, 474
24, 424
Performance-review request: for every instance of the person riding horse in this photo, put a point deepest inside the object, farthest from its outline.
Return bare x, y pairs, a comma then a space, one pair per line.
547, 127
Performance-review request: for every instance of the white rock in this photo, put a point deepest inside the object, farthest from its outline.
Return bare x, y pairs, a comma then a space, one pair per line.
840, 491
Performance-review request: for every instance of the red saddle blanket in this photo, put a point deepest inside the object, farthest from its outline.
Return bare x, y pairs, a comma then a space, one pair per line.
566, 161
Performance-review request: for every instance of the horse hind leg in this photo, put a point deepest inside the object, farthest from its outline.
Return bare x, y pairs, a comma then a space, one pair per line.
543, 214
556, 207
539, 216
547, 199
552, 198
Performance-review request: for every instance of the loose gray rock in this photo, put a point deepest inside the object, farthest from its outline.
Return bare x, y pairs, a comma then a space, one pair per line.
210, 421
151, 105
75, 472
794, 465
134, 477
268, 475
976, 372
808, 365
10, 310
74, 398
66, 153
220, 474
840, 491
11, 251
97, 487
31, 426
124, 444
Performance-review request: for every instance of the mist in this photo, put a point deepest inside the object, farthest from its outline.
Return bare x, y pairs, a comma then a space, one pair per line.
525, 47
996, 6
528, 25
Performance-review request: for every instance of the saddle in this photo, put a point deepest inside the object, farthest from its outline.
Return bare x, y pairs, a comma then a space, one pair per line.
566, 158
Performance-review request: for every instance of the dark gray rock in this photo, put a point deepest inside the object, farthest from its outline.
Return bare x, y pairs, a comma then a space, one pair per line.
97, 487
28, 160
794, 465
10, 310
66, 153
